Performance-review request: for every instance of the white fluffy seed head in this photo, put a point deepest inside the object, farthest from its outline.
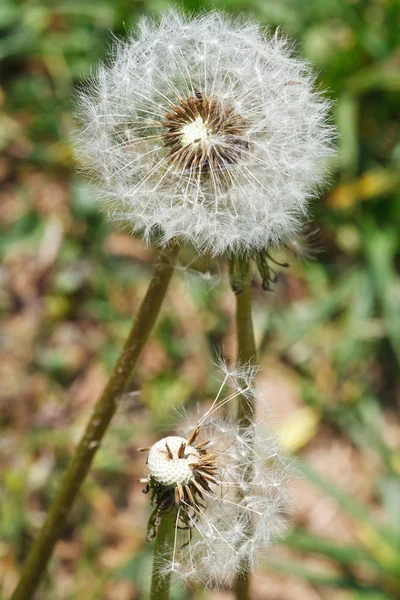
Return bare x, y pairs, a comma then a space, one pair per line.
169, 471
208, 130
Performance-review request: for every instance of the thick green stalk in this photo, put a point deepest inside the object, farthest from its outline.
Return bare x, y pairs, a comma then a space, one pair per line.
163, 550
246, 355
103, 412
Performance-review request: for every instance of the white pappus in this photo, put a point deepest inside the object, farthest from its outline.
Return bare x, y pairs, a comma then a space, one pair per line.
208, 130
228, 486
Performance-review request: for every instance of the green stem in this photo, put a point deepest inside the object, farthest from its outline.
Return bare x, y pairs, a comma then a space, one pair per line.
242, 585
246, 345
246, 355
103, 412
163, 549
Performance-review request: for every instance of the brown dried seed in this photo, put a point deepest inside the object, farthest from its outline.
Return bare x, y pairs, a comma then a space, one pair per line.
181, 493
176, 493
189, 494
209, 477
202, 444
193, 436
203, 481
169, 453
200, 490
181, 451
207, 470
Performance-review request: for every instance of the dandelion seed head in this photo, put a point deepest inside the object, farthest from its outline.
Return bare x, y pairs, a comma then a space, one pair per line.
206, 129
228, 485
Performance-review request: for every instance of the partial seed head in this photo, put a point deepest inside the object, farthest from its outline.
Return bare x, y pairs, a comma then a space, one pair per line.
230, 501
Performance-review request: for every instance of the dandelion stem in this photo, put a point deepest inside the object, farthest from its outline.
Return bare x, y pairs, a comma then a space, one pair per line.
246, 355
246, 346
163, 550
103, 412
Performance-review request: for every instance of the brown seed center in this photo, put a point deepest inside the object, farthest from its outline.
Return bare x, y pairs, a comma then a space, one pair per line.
203, 135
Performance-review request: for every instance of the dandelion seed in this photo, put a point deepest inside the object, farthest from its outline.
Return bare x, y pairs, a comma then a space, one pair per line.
217, 137
219, 476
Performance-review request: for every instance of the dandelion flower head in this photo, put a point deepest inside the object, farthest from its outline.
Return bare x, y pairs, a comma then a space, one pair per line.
208, 130
227, 485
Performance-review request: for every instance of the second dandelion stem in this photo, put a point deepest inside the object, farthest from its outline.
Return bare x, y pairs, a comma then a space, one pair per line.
246, 355
163, 550
246, 345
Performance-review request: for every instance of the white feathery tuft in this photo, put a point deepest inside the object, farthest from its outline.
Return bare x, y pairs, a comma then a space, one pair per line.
263, 133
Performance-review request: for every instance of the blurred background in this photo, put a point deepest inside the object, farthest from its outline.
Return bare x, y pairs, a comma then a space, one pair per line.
329, 333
